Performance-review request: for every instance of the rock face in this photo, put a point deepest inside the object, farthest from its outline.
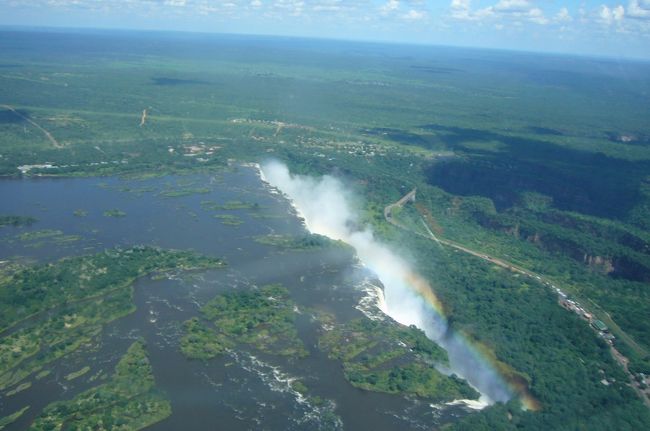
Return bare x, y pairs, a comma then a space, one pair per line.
602, 264
628, 260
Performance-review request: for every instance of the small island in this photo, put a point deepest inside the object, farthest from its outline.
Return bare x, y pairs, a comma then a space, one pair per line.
127, 401
262, 319
115, 213
308, 241
384, 356
16, 221
59, 307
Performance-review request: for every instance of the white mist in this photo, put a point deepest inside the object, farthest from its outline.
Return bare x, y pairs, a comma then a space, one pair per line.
324, 204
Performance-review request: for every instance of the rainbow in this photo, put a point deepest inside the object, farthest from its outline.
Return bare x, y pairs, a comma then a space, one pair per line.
515, 383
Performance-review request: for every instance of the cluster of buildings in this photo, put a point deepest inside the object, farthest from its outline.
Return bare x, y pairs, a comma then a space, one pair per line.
360, 148
353, 148
279, 125
25, 169
575, 307
200, 149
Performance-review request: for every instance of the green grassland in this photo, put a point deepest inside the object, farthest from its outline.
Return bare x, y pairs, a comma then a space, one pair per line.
540, 160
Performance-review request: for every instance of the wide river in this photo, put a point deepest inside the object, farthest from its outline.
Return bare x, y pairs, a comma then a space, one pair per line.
236, 391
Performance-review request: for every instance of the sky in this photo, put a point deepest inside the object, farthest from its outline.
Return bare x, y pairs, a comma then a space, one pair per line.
611, 28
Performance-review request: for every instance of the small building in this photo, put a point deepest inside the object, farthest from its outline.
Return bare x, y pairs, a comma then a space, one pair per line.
599, 325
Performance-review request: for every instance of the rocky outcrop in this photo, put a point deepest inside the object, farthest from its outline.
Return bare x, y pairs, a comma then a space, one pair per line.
599, 263
630, 262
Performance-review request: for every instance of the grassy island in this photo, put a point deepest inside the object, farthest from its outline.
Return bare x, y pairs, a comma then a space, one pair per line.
201, 342
115, 213
16, 221
384, 356
305, 242
229, 205
8, 420
262, 319
43, 287
171, 193
128, 401
63, 306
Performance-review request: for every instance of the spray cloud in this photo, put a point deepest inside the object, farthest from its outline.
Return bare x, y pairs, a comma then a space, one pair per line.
324, 204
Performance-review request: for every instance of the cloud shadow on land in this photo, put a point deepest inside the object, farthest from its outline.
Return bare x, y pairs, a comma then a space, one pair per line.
582, 181
8, 116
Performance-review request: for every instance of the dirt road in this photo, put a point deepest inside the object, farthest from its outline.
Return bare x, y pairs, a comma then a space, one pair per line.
33, 123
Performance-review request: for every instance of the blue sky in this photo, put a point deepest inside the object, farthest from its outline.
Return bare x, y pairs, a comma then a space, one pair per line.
589, 27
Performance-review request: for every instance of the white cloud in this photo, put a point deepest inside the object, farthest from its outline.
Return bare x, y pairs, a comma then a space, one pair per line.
292, 7
639, 9
608, 15
390, 6
619, 13
330, 6
515, 11
516, 23
537, 16
461, 9
563, 15
414, 15
512, 6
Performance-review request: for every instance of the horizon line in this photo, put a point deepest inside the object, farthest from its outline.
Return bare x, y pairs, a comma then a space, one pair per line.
63, 29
